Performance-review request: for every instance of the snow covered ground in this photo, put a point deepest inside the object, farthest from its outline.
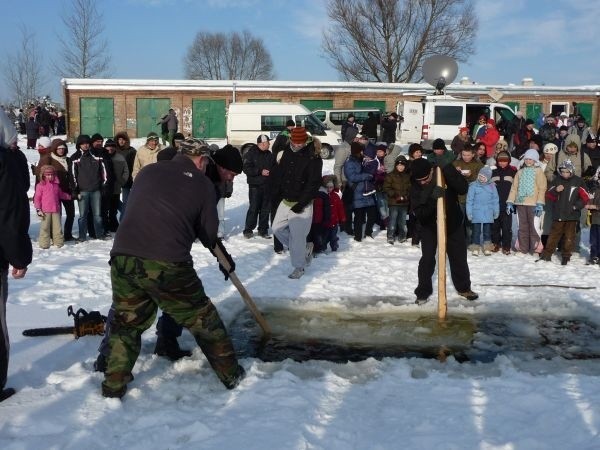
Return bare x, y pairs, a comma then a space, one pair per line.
513, 402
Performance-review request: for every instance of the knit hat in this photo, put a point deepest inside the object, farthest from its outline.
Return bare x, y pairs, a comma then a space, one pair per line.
298, 135
47, 169
151, 135
503, 156
438, 144
193, 147
485, 171
529, 122
356, 149
412, 148
110, 143
44, 141
550, 148
461, 129
370, 150
290, 123
420, 168
82, 139
401, 159
590, 138
566, 165
96, 137
532, 154
573, 140
178, 137
262, 138
229, 158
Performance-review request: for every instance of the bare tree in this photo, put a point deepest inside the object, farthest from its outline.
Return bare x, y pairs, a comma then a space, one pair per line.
387, 40
23, 70
220, 56
84, 53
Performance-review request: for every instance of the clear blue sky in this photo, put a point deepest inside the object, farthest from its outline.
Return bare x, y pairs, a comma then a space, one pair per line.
554, 42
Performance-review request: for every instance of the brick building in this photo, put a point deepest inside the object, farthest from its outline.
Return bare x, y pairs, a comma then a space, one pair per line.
111, 105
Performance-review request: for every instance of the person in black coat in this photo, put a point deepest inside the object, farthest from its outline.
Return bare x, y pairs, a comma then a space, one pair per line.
424, 194
15, 245
369, 127
258, 163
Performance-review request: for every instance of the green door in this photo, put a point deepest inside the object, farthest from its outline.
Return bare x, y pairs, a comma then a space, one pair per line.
370, 104
208, 119
149, 111
313, 105
97, 115
533, 110
585, 110
515, 106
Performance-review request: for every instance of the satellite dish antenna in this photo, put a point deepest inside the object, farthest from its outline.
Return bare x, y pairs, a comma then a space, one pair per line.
439, 71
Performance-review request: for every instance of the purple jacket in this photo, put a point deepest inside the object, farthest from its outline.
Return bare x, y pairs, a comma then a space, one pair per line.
48, 196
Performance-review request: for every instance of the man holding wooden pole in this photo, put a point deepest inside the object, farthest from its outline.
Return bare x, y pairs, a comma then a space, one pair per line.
424, 198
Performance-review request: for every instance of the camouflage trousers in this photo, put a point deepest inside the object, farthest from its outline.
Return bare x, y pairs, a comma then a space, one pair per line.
140, 286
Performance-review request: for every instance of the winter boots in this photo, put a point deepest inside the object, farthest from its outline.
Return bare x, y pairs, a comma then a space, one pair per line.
297, 273
6, 393
469, 295
169, 347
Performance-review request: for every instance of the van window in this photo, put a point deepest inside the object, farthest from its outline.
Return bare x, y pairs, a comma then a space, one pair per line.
338, 117
448, 115
320, 115
273, 123
312, 124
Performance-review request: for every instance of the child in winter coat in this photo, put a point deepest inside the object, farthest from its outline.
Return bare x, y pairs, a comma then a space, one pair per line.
371, 165
594, 207
482, 207
503, 175
328, 213
396, 187
569, 197
46, 200
528, 193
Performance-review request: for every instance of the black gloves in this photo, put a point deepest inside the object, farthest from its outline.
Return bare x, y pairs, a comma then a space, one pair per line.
437, 192
227, 257
298, 208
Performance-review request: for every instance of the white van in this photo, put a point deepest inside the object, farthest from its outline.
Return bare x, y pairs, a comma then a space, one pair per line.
441, 116
245, 121
335, 118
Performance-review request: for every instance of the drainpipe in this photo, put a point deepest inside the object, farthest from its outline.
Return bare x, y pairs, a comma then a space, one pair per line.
233, 92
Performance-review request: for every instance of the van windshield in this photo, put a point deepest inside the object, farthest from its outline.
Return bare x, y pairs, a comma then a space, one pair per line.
313, 125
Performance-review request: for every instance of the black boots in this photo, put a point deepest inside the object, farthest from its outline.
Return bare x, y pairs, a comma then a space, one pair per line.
169, 347
6, 393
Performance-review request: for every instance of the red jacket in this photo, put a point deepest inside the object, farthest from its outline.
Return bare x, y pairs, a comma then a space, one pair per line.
490, 138
337, 211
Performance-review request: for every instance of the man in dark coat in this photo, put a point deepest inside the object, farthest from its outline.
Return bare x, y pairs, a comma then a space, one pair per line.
296, 181
258, 163
424, 194
369, 127
124, 148
151, 266
15, 245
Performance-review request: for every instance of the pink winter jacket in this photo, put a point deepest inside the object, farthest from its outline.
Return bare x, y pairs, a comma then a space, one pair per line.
48, 196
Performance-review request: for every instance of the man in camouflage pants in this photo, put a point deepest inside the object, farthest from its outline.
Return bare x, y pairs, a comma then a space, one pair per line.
172, 205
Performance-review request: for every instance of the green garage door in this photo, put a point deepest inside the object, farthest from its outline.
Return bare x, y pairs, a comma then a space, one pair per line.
149, 112
370, 104
585, 109
313, 105
513, 105
533, 110
208, 119
97, 115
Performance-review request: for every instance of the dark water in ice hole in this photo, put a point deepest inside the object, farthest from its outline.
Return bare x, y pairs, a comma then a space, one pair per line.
337, 336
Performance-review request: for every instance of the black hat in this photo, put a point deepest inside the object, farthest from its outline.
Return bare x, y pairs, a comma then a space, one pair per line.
401, 159
412, 148
229, 158
356, 149
438, 144
420, 168
262, 138
290, 123
110, 143
529, 122
82, 139
178, 137
96, 137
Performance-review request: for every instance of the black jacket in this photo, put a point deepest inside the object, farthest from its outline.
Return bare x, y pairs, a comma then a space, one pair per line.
503, 179
255, 161
89, 171
297, 176
567, 204
424, 206
171, 204
15, 245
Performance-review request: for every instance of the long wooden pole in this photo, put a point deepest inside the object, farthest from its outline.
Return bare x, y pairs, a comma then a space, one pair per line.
243, 292
441, 241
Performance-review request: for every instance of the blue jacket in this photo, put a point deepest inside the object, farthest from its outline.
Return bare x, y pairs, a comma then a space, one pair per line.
483, 204
356, 180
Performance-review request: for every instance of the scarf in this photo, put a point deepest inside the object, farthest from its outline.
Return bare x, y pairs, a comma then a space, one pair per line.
62, 160
526, 186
